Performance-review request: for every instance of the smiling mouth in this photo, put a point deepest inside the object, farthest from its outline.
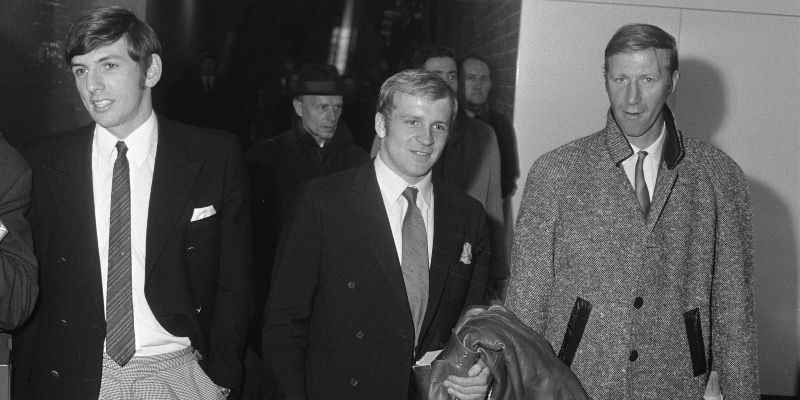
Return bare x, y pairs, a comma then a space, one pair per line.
101, 103
421, 153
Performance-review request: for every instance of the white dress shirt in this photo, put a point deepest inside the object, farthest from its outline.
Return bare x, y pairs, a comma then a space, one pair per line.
392, 187
650, 165
151, 337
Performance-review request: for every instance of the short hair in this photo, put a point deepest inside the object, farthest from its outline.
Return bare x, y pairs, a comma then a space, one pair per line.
473, 57
104, 26
423, 54
636, 37
415, 82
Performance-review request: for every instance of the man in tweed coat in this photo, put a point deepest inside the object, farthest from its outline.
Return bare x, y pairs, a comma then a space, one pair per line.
640, 276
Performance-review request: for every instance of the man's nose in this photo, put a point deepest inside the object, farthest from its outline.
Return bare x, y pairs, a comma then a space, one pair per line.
632, 95
426, 136
94, 81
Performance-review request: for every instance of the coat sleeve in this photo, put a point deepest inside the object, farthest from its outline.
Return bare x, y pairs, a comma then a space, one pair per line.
233, 303
533, 252
733, 331
289, 307
18, 266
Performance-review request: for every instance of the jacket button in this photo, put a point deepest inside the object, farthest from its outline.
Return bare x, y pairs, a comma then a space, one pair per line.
634, 355
54, 374
61, 261
360, 335
198, 309
351, 285
638, 303
63, 322
353, 382
191, 248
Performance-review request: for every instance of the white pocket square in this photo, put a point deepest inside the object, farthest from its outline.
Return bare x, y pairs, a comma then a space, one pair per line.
203, 212
466, 254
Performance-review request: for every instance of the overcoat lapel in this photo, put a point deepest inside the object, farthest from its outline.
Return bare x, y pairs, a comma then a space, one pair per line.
366, 206
446, 249
174, 176
70, 179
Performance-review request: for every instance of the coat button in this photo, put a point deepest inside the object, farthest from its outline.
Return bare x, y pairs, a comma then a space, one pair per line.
353, 382
61, 261
191, 249
54, 374
360, 335
634, 355
63, 322
351, 285
638, 303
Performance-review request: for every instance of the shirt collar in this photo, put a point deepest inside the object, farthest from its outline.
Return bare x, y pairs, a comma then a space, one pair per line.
655, 148
392, 185
140, 142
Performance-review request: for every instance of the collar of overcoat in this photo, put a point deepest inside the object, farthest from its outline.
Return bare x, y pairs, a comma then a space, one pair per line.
620, 149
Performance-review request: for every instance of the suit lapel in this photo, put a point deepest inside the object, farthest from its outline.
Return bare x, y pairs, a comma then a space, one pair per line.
664, 184
174, 177
366, 205
445, 244
70, 180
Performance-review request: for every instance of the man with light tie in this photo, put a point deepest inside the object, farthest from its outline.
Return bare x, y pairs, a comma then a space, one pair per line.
376, 263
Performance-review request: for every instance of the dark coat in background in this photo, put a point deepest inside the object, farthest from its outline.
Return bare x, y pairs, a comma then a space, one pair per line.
198, 274
18, 267
278, 166
338, 320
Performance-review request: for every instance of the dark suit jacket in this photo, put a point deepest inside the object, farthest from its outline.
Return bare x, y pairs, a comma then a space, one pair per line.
197, 273
18, 267
338, 321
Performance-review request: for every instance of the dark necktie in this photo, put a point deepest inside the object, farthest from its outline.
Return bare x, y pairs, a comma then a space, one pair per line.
642, 194
120, 342
415, 260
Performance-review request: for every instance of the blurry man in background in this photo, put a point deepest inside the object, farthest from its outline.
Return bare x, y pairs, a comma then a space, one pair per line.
317, 146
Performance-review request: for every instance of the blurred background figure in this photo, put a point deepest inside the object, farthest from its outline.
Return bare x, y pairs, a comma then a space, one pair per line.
317, 145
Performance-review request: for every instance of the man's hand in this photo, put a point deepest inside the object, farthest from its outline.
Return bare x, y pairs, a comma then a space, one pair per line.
474, 386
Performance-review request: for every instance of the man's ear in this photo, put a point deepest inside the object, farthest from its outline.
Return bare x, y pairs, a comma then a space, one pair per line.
298, 107
380, 125
674, 84
153, 74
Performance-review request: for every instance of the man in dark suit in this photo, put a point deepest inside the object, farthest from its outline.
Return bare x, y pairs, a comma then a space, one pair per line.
356, 296
142, 228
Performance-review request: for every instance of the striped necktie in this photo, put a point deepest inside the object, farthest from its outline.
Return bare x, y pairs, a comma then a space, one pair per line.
120, 341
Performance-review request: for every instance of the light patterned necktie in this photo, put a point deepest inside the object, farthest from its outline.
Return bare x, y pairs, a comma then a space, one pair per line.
642, 194
120, 341
415, 260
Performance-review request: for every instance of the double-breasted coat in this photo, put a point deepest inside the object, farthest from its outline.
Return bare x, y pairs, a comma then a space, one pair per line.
197, 273
338, 321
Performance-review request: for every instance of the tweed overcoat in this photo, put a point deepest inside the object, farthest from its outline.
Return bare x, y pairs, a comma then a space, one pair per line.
580, 234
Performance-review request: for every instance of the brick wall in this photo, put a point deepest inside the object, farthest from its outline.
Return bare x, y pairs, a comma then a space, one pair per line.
489, 28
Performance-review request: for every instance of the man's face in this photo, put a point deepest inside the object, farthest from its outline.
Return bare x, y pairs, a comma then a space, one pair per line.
638, 85
477, 82
446, 68
413, 135
320, 115
114, 90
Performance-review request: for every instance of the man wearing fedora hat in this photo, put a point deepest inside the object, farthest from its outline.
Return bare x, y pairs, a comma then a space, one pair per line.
316, 146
